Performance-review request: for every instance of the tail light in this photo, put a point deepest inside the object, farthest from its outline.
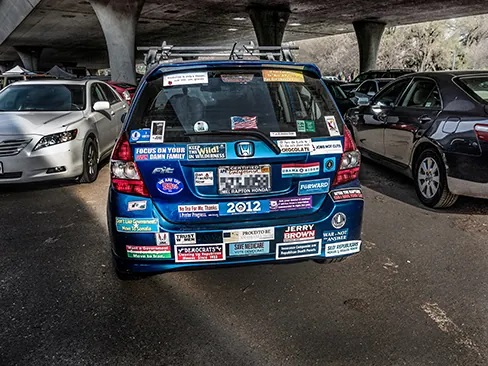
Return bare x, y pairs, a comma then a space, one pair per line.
125, 175
350, 161
481, 132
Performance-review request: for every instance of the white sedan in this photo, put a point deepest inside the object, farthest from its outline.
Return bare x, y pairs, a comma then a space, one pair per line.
57, 129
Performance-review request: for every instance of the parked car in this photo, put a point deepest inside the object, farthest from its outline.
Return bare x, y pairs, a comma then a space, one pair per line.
126, 91
375, 74
56, 129
432, 127
369, 88
232, 163
342, 100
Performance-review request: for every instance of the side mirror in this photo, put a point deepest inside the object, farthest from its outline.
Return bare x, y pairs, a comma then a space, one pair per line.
371, 93
363, 101
101, 106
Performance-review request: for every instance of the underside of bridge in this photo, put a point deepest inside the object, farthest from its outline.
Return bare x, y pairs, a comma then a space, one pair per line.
69, 31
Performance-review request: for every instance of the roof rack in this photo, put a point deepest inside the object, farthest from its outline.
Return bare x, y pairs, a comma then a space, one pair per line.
159, 54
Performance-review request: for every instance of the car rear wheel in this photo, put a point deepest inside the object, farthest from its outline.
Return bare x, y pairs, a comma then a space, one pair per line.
90, 162
431, 181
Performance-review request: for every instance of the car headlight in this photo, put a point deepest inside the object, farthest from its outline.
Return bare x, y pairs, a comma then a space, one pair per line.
56, 138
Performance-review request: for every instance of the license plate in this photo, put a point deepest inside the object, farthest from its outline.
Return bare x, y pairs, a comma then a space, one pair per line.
1, 168
244, 179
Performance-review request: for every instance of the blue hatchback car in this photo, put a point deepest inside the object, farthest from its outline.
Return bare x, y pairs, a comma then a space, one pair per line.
231, 163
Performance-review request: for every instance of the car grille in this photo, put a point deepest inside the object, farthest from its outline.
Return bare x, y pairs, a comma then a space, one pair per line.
12, 147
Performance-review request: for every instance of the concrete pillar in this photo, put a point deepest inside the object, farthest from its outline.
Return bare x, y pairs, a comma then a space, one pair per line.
118, 19
269, 23
3, 68
368, 34
29, 56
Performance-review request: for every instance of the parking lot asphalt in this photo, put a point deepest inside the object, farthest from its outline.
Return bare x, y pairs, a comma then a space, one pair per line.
417, 294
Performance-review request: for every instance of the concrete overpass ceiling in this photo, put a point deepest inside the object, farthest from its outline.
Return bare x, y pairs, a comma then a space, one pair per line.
71, 26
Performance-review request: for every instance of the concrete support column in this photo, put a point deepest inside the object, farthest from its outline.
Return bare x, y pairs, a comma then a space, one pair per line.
368, 34
118, 19
29, 57
269, 23
3, 68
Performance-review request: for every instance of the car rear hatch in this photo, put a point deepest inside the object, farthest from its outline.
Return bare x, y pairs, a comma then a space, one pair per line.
214, 146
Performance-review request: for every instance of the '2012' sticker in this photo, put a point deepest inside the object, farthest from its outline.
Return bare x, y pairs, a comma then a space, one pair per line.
244, 207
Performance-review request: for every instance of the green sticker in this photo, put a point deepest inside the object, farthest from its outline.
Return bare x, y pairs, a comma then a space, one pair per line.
305, 125
310, 125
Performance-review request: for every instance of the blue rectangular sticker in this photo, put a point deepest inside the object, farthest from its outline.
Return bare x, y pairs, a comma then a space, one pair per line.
132, 225
335, 236
248, 249
142, 135
313, 186
329, 165
207, 152
159, 153
301, 249
244, 207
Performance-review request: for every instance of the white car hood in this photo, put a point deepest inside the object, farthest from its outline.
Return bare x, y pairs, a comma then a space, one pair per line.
36, 123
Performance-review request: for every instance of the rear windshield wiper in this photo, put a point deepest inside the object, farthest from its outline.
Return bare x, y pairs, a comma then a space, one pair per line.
258, 134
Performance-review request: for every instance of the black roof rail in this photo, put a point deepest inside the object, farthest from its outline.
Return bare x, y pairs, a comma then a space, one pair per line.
159, 54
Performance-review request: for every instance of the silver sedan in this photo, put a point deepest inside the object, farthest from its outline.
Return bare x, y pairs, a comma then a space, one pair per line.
57, 129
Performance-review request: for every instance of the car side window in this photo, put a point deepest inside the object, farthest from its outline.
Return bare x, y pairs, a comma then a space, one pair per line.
97, 94
365, 87
112, 98
388, 96
422, 93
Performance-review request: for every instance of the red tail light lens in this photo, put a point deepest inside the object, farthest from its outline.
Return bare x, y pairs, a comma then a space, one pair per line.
350, 161
481, 132
124, 173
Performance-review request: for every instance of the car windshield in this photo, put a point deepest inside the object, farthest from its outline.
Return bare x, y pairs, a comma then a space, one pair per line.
477, 85
42, 97
273, 102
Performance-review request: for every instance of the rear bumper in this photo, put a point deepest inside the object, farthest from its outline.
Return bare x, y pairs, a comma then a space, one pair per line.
327, 243
464, 187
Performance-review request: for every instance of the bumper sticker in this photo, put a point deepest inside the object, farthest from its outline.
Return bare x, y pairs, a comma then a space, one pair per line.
342, 248
130, 225
207, 152
316, 186
199, 253
292, 203
334, 236
246, 235
301, 249
148, 252
248, 249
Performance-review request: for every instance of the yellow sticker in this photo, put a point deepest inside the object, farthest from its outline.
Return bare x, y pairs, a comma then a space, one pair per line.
283, 76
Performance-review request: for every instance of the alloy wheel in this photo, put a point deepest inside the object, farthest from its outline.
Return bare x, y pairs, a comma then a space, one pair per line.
428, 177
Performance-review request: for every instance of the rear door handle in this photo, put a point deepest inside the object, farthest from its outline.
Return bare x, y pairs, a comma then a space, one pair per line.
425, 119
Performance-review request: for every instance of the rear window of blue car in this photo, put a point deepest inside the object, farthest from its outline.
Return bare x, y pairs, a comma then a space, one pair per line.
276, 102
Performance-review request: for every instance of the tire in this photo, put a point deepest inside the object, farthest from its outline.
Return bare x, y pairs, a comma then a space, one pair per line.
431, 181
330, 260
90, 162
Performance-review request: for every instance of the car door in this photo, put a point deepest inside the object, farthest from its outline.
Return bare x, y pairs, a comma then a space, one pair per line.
101, 119
117, 108
414, 114
371, 119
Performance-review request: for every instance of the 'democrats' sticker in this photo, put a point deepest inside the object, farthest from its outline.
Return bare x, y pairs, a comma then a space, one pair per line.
132, 225
300, 170
300, 249
332, 126
247, 235
186, 78
316, 186
342, 248
157, 131
207, 151
295, 146
200, 253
